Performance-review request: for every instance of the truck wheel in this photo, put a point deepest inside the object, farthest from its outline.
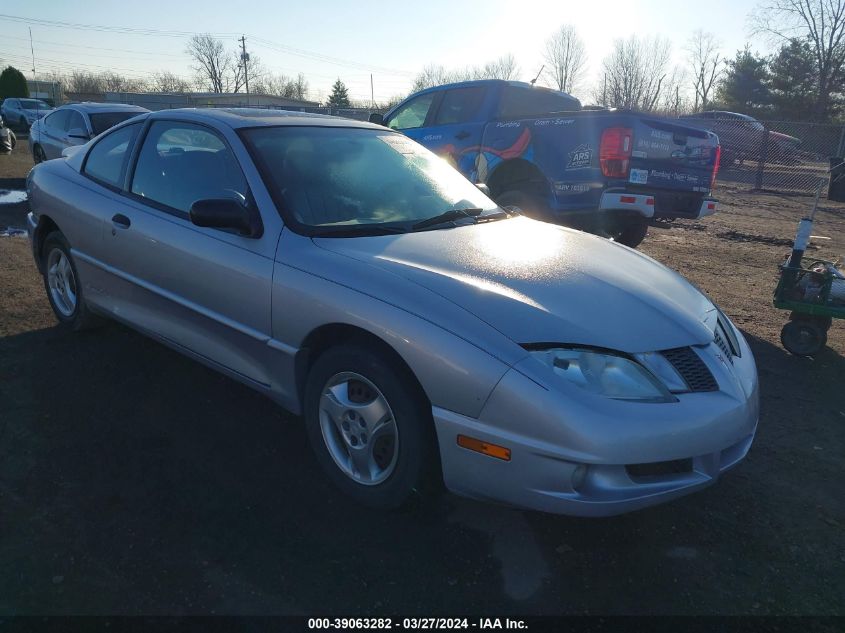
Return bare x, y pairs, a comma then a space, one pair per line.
803, 338
530, 204
630, 232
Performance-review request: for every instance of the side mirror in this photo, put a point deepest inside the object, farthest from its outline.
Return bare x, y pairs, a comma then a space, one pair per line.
483, 188
225, 213
377, 118
79, 133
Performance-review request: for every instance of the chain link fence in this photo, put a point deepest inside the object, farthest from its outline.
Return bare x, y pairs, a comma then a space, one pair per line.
777, 156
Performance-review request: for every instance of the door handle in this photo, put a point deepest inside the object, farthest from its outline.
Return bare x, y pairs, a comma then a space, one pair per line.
121, 221
461, 135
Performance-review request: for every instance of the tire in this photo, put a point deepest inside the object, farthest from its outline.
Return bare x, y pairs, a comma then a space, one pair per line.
529, 204
803, 337
61, 282
366, 387
38, 154
13, 139
631, 232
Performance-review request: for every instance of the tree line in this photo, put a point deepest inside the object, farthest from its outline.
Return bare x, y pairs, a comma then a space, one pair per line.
803, 79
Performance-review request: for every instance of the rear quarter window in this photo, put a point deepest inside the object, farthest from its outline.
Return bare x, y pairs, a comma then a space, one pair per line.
106, 162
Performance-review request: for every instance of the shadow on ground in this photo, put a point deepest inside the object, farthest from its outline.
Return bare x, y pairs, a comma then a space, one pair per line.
133, 480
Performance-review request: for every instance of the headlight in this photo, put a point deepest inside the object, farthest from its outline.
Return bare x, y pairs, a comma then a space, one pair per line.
605, 374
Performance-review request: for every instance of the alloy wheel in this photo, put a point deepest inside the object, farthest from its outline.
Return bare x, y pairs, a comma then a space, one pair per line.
358, 428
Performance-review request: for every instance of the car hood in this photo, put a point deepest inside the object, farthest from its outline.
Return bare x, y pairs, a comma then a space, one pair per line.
540, 283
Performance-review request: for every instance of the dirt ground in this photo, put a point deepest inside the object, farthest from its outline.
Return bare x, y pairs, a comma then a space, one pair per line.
18, 163
133, 480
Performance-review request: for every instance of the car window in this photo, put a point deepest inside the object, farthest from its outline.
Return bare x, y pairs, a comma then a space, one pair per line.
107, 160
181, 163
460, 105
412, 114
517, 102
75, 121
57, 120
102, 121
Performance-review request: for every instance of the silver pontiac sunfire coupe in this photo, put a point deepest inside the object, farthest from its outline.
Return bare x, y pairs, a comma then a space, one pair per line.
422, 331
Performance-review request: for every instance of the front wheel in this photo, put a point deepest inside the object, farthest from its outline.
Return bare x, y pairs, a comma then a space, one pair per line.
530, 204
38, 154
803, 337
369, 426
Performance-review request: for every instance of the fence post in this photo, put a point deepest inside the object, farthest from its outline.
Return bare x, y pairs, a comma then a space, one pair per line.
764, 154
841, 150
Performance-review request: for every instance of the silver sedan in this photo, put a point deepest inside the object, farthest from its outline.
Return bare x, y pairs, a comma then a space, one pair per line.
424, 333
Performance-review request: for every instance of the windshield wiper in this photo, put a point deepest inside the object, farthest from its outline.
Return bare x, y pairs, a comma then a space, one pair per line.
501, 214
360, 230
447, 216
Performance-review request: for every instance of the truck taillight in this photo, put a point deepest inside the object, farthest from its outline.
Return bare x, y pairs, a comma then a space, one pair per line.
615, 151
716, 166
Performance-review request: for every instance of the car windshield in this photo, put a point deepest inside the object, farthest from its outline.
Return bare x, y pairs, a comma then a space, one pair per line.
335, 180
34, 104
102, 121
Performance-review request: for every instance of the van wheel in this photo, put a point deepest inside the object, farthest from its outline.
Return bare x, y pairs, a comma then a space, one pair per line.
370, 428
64, 290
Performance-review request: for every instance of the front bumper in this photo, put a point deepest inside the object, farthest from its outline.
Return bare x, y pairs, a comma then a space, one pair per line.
606, 458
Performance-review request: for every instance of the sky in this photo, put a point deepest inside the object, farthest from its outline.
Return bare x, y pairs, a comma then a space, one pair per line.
331, 39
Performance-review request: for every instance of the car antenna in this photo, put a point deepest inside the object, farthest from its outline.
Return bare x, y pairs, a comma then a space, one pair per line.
534, 81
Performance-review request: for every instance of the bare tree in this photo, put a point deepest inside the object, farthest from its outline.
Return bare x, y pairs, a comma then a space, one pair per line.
113, 82
505, 67
565, 56
634, 73
166, 81
280, 85
705, 62
822, 24
212, 62
84, 82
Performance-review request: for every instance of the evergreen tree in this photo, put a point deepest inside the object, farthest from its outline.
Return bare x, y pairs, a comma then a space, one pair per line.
339, 98
793, 82
12, 83
745, 87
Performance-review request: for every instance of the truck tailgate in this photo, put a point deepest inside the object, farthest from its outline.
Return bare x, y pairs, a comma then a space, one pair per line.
672, 156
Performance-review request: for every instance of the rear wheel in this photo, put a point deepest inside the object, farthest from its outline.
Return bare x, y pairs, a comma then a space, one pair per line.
61, 281
369, 427
630, 232
803, 337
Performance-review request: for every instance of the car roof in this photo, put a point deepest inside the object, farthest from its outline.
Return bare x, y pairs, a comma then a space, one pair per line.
258, 117
492, 82
90, 107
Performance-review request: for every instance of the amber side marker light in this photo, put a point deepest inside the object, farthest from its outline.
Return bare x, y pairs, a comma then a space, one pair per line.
493, 450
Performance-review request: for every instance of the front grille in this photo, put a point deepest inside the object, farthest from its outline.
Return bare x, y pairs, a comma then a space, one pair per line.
660, 469
691, 368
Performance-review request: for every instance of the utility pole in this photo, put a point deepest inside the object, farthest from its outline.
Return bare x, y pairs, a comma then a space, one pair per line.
34, 80
245, 62
372, 92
